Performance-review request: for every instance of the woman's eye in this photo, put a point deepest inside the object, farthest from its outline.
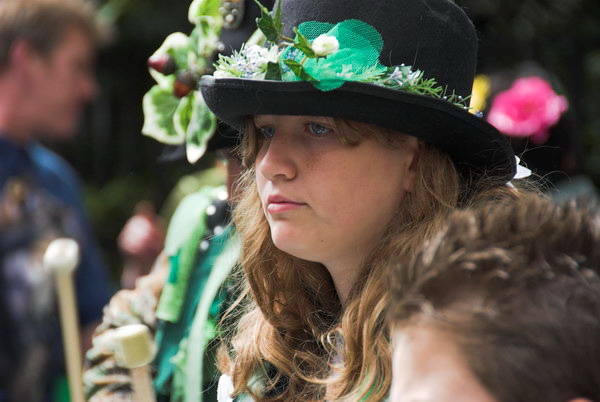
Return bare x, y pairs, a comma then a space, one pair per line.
267, 132
318, 130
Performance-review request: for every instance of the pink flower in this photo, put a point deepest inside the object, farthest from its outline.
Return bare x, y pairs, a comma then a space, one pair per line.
528, 109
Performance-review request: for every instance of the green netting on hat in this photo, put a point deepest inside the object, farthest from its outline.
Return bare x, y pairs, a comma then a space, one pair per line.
357, 58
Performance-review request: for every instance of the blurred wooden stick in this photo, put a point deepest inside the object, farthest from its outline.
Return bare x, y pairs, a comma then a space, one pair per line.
61, 258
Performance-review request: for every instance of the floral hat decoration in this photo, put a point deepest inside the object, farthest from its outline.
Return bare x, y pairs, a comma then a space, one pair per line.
174, 111
406, 65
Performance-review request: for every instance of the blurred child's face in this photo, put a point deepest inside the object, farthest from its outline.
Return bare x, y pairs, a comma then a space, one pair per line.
428, 367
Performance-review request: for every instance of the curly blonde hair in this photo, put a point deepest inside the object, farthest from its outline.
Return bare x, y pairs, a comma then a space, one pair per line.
291, 330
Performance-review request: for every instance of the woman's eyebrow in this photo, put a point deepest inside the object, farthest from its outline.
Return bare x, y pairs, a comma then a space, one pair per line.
320, 118
261, 120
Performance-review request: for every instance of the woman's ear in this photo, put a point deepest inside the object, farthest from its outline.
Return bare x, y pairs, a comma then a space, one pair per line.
413, 150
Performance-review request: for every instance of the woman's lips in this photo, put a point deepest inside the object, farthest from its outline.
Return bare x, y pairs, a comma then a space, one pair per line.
278, 207
278, 204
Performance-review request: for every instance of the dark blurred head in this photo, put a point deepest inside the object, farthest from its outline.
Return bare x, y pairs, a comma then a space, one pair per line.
47, 50
508, 295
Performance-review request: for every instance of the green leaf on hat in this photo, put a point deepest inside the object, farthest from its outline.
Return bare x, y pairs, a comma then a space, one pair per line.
273, 72
298, 70
201, 128
303, 44
159, 107
269, 25
277, 19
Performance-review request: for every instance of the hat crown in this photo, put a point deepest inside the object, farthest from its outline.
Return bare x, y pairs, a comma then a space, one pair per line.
434, 36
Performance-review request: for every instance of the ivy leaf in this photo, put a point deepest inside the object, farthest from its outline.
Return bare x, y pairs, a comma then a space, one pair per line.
201, 128
159, 106
301, 43
298, 70
203, 8
270, 27
183, 115
206, 37
273, 72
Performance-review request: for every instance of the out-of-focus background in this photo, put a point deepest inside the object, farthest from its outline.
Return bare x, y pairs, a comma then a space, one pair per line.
119, 165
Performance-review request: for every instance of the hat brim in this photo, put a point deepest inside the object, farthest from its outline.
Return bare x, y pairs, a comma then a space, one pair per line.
475, 146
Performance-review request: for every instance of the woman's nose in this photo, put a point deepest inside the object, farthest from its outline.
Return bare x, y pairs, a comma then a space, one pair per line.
276, 159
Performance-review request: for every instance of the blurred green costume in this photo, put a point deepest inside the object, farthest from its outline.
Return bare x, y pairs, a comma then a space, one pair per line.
181, 301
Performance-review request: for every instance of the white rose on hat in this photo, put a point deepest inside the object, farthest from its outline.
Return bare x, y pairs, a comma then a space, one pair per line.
325, 45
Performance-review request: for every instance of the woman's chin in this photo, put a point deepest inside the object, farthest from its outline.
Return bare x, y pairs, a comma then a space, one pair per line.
291, 243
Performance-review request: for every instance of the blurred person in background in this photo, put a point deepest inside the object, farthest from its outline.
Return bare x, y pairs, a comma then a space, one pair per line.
140, 241
502, 306
47, 55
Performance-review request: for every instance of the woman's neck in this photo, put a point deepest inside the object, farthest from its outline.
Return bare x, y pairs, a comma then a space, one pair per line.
345, 269
344, 274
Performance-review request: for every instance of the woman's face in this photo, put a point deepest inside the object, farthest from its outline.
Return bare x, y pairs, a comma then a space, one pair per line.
326, 201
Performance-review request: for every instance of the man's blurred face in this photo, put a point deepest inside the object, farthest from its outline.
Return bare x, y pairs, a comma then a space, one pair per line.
61, 86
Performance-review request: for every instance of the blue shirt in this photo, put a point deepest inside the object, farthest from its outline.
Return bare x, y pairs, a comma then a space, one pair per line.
40, 200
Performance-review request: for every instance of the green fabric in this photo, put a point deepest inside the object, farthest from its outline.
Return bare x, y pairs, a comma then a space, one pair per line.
178, 361
356, 60
171, 337
60, 390
191, 214
204, 327
191, 209
190, 184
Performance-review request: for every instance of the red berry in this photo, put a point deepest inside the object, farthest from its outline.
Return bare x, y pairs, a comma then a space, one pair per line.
164, 64
184, 84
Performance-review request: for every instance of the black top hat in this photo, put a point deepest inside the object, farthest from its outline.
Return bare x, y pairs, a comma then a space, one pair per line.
435, 37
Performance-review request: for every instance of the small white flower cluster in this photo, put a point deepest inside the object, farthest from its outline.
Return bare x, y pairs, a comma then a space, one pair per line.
249, 62
324, 45
261, 55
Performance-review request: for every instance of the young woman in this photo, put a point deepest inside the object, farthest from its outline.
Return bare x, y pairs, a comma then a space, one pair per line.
353, 159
